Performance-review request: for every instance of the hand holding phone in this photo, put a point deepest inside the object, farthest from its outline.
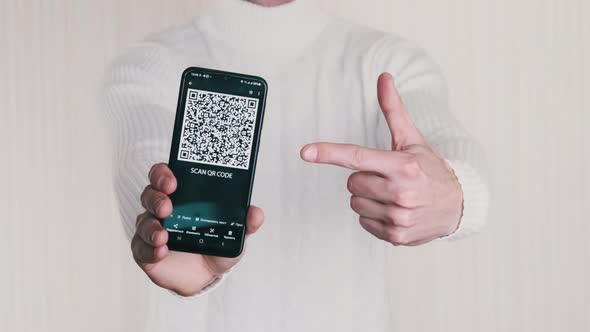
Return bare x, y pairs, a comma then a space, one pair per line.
184, 273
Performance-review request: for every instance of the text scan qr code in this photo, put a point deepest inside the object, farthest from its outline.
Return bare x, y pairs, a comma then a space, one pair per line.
217, 129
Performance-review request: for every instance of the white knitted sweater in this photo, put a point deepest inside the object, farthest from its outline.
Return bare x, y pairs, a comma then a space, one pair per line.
311, 267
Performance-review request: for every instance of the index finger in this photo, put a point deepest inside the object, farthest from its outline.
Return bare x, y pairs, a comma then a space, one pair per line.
162, 179
352, 156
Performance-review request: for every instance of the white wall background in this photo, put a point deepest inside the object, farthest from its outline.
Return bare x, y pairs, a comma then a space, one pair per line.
519, 71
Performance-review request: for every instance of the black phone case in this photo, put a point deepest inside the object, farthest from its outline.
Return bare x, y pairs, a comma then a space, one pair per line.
216, 251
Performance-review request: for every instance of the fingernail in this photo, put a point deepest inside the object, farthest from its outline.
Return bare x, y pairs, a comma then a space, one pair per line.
310, 153
153, 238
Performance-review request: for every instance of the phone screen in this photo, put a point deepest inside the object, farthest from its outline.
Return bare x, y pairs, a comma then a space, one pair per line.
213, 156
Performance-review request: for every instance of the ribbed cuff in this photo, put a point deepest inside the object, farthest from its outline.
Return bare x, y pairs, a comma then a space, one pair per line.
476, 200
207, 289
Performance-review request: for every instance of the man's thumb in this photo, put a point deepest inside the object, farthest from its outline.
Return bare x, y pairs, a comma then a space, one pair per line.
254, 220
402, 128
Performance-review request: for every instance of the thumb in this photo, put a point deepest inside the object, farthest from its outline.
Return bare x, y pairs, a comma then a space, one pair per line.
254, 220
402, 128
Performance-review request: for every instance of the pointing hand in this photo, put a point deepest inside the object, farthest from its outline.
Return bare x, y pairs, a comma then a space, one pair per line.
408, 195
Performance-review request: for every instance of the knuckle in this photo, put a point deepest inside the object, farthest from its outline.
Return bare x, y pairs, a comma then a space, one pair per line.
391, 236
357, 156
390, 215
404, 197
397, 236
390, 189
185, 293
411, 169
404, 218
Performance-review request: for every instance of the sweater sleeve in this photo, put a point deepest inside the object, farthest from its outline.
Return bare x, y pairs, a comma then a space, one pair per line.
137, 100
424, 92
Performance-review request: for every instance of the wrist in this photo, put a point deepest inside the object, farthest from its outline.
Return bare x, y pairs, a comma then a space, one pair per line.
206, 283
199, 282
210, 277
210, 282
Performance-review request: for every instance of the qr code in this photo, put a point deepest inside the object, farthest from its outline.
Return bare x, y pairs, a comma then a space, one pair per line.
217, 129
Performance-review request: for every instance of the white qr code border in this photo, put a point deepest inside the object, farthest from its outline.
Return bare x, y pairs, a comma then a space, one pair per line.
184, 123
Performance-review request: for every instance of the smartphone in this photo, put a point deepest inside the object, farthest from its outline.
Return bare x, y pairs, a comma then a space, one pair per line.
213, 155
